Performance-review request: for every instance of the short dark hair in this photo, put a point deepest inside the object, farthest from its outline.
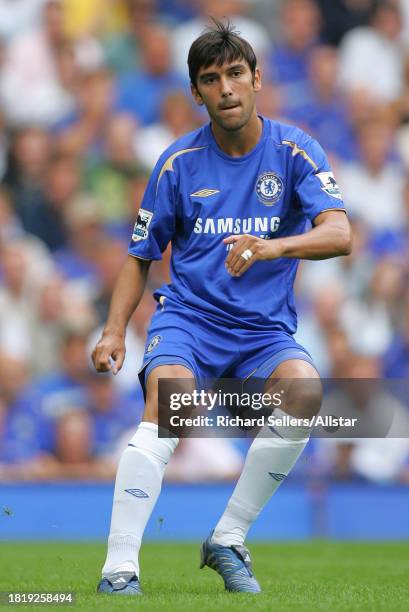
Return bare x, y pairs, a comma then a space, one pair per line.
217, 45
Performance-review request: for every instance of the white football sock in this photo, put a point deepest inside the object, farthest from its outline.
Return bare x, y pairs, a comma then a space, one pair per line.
137, 487
269, 460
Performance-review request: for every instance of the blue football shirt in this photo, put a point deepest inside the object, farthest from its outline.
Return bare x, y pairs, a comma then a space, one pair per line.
197, 195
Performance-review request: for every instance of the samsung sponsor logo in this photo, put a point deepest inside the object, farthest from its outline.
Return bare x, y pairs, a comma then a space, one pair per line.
229, 225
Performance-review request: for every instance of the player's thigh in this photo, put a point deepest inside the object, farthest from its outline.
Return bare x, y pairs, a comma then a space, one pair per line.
183, 381
300, 386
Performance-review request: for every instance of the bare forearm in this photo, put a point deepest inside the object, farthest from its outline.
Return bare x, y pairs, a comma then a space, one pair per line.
127, 294
323, 241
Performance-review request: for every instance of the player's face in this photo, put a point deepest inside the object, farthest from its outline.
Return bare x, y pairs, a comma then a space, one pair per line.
228, 92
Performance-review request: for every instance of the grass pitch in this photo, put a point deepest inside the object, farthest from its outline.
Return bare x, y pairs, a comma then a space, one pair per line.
295, 577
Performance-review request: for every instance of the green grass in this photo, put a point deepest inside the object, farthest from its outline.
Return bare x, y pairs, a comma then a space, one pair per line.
295, 577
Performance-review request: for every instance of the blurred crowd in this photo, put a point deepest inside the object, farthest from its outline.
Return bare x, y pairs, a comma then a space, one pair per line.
90, 95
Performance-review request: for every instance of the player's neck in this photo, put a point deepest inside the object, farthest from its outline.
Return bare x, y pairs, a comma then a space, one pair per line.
241, 142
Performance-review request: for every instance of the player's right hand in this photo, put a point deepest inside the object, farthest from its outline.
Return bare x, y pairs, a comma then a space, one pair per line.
109, 353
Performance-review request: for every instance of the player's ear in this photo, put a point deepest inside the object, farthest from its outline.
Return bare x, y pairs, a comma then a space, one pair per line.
257, 80
196, 95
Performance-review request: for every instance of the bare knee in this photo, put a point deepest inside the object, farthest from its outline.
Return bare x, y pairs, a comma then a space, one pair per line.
301, 386
182, 381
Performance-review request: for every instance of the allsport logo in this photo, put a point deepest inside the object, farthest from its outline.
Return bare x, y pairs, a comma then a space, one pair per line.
137, 493
277, 477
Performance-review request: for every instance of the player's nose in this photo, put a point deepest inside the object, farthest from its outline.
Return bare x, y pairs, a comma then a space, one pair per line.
225, 87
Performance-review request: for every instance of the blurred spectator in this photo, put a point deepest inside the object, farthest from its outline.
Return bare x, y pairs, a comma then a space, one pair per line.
396, 358
122, 48
10, 225
86, 238
266, 12
15, 309
64, 388
86, 436
109, 263
403, 130
177, 11
30, 65
325, 289
351, 274
204, 459
94, 17
287, 64
110, 181
373, 314
155, 78
21, 428
388, 285
26, 172
238, 13
21, 265
339, 353
80, 132
373, 186
18, 16
377, 459
270, 102
340, 16
323, 110
61, 185
41, 186
371, 58
72, 443
57, 305
69, 73
112, 414
176, 118
74, 449
319, 320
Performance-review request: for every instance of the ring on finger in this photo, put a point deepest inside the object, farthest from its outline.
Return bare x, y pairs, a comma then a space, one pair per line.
247, 254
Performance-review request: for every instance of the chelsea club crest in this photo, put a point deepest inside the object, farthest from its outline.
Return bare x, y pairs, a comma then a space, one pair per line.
269, 188
153, 343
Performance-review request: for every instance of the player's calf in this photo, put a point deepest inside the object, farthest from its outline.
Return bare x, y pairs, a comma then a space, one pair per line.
274, 451
137, 488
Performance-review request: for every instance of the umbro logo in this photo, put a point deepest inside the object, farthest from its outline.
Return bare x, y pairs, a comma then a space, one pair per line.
204, 193
137, 493
277, 477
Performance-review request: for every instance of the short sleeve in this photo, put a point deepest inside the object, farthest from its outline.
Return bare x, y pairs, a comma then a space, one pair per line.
155, 224
315, 185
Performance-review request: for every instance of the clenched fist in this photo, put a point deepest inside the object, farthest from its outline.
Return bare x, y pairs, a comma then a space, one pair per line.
110, 348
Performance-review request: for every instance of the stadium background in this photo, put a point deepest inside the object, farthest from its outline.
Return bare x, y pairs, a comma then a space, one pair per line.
90, 95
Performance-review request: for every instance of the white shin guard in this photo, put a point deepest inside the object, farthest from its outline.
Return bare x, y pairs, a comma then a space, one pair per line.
270, 459
137, 487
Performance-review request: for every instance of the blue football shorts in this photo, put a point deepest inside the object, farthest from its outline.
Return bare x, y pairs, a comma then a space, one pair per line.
180, 335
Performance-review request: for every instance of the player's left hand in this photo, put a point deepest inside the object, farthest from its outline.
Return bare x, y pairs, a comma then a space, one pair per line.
261, 249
